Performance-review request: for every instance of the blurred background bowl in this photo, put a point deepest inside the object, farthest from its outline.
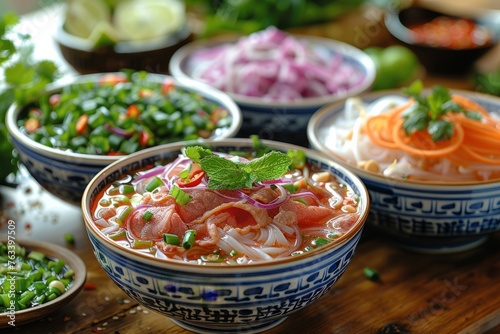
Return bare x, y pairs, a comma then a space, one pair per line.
436, 57
426, 217
284, 121
52, 251
152, 55
65, 174
226, 299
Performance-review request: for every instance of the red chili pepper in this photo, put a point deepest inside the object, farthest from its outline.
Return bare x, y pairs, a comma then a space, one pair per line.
89, 286
31, 125
167, 86
112, 79
144, 138
54, 99
81, 123
192, 180
133, 111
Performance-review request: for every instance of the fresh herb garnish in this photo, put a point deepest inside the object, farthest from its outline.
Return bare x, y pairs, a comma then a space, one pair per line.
229, 174
426, 114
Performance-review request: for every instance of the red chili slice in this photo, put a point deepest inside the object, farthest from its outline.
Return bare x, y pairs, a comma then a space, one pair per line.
193, 180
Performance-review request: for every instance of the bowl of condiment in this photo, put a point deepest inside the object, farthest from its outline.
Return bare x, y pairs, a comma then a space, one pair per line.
278, 79
429, 158
97, 36
225, 230
36, 279
83, 123
444, 43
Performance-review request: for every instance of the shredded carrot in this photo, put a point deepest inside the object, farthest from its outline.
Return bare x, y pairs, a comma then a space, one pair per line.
474, 141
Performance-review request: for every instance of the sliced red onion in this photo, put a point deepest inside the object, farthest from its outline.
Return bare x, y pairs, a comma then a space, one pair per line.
118, 131
149, 173
283, 197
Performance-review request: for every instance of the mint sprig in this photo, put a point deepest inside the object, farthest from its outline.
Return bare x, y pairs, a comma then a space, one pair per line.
228, 174
426, 114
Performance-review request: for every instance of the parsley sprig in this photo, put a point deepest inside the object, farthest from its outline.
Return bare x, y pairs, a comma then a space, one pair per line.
427, 112
230, 174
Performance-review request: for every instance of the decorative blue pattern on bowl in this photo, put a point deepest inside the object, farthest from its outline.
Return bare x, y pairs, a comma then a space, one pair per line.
223, 299
66, 174
424, 217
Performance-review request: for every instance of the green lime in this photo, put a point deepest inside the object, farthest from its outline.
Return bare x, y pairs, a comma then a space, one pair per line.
400, 61
103, 35
82, 16
148, 19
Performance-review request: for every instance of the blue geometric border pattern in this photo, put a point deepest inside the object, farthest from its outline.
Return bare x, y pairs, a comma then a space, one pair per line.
222, 296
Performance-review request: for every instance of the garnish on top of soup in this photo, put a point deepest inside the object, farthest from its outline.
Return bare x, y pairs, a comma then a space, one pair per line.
437, 137
211, 207
121, 114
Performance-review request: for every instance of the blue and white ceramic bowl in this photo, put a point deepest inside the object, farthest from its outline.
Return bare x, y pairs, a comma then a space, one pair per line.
280, 120
66, 174
427, 217
218, 299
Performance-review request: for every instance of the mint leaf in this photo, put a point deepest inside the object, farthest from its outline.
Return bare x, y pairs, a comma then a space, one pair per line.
270, 166
227, 174
222, 170
196, 153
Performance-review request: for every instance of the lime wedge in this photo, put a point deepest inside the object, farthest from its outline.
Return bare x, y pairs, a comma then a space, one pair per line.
82, 16
148, 19
103, 35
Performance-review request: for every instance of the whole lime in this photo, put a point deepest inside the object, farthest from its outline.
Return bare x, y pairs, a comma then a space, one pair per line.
401, 61
394, 64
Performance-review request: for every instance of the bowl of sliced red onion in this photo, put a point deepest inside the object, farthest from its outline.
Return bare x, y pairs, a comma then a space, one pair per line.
278, 79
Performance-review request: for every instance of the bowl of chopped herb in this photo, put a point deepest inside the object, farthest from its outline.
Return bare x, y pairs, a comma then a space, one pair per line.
82, 124
44, 278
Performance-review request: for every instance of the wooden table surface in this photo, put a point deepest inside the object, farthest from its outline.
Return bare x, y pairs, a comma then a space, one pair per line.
455, 293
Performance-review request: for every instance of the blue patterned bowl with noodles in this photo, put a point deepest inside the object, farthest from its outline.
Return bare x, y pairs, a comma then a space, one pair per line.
65, 174
420, 216
214, 298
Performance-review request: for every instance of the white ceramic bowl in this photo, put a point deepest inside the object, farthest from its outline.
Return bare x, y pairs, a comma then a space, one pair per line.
246, 298
66, 174
427, 217
286, 121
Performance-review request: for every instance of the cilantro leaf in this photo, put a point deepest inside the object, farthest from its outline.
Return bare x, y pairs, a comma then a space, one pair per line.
440, 129
416, 119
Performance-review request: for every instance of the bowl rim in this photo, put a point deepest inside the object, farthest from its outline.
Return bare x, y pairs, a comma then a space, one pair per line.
173, 147
396, 27
66, 39
176, 68
52, 250
319, 116
11, 118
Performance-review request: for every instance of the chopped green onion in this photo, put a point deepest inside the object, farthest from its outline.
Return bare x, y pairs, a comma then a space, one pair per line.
147, 215
188, 240
154, 183
126, 189
371, 274
142, 244
185, 172
122, 217
298, 158
68, 237
233, 253
171, 239
180, 196
320, 242
38, 256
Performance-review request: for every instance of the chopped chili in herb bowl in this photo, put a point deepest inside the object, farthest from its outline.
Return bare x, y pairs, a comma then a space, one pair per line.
80, 126
36, 278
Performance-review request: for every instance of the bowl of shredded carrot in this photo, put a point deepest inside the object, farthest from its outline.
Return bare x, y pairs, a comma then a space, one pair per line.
430, 158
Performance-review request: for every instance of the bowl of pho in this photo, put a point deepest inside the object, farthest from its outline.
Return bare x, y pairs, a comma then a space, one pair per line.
225, 230
84, 123
429, 158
